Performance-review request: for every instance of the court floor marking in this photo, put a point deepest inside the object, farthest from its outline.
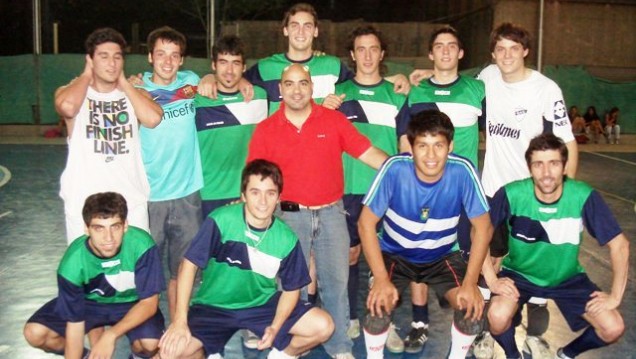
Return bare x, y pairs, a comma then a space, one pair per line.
6, 177
613, 158
615, 196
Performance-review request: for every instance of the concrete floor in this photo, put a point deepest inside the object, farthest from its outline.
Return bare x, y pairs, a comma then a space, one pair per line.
32, 241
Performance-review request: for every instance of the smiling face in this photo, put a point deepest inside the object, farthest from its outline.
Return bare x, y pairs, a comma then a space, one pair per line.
108, 63
301, 30
510, 58
547, 170
166, 60
430, 153
105, 235
296, 88
445, 52
229, 71
367, 54
261, 197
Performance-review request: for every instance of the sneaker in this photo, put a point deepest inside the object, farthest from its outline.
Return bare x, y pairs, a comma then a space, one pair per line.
250, 340
347, 355
536, 347
484, 346
394, 343
354, 329
416, 338
561, 355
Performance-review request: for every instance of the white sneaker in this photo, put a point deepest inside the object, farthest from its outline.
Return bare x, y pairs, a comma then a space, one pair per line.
354, 329
484, 346
250, 340
537, 348
394, 343
347, 355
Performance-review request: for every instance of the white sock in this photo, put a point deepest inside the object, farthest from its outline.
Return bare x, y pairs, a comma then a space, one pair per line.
375, 344
460, 343
279, 354
215, 356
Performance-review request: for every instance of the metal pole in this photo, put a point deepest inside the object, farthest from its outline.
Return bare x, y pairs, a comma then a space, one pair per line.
211, 26
56, 35
37, 28
540, 38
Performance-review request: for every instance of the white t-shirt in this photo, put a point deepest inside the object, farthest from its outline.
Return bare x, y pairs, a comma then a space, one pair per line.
516, 113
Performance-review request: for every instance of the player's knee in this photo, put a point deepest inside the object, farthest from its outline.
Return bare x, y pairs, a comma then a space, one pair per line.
375, 325
145, 347
613, 330
35, 334
324, 326
467, 325
498, 321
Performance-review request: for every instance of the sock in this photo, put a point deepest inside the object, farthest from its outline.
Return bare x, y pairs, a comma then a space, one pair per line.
538, 318
586, 341
460, 343
376, 331
215, 356
352, 290
420, 313
311, 298
507, 342
279, 354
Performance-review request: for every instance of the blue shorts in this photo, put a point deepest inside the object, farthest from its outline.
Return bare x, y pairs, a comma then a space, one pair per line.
207, 206
99, 315
570, 296
173, 224
353, 205
215, 326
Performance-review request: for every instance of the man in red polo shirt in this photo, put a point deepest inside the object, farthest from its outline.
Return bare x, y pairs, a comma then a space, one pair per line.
307, 142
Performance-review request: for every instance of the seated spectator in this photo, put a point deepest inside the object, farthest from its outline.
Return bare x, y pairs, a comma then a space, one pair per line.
578, 125
593, 123
612, 129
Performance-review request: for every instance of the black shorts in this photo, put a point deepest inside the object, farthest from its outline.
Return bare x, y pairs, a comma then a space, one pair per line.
499, 242
442, 275
353, 205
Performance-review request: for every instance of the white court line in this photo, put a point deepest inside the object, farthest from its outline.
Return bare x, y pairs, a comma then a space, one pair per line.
5, 214
613, 158
7, 176
616, 196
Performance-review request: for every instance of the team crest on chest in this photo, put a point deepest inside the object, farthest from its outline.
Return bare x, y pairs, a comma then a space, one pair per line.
424, 214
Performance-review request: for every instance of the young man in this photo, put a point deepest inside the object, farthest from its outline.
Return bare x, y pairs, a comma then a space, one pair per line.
103, 112
521, 104
463, 99
307, 141
170, 152
111, 276
545, 215
380, 114
245, 252
419, 199
300, 27
225, 125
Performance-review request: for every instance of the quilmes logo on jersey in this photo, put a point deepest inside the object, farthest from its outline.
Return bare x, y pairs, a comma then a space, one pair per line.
499, 129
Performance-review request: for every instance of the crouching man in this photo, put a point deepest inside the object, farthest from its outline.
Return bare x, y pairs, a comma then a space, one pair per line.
243, 250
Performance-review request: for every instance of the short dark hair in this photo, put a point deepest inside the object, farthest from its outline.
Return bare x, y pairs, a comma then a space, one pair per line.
511, 32
444, 30
367, 30
546, 142
228, 44
300, 7
104, 205
101, 36
168, 34
430, 122
265, 169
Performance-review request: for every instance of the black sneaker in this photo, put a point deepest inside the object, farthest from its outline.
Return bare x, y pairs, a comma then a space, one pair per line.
417, 337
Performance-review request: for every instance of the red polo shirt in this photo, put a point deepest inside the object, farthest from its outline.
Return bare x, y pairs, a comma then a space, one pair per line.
311, 157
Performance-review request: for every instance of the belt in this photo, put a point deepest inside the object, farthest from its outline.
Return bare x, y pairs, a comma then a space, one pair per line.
289, 206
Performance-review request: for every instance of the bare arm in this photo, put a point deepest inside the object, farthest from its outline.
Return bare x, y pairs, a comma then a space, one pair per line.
148, 112
74, 341
178, 336
69, 98
619, 256
401, 84
382, 295
286, 305
573, 159
373, 157
208, 87
139, 313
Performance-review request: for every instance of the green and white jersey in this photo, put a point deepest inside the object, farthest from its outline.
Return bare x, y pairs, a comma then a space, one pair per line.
326, 72
224, 129
464, 102
132, 274
241, 264
378, 113
544, 239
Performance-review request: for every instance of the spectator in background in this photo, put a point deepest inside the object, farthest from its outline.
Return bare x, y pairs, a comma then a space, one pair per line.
593, 123
578, 125
612, 129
